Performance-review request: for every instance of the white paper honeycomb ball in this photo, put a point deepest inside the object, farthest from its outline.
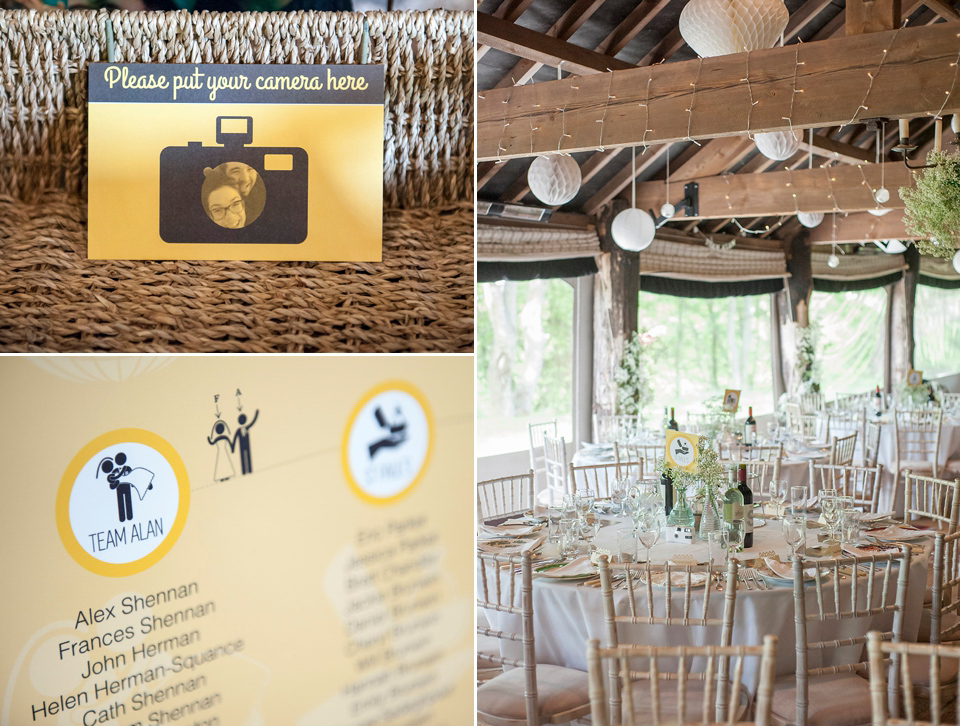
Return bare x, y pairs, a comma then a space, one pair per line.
554, 180
810, 219
721, 27
956, 261
778, 145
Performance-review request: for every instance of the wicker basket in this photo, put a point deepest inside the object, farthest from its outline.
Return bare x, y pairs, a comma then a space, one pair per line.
419, 299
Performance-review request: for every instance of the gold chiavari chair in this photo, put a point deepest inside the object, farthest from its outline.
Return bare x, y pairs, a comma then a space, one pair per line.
840, 693
529, 693
555, 465
860, 482
647, 694
932, 501
643, 454
841, 450
602, 478
505, 496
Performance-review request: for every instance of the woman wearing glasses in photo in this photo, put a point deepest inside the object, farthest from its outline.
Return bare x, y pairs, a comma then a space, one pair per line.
222, 201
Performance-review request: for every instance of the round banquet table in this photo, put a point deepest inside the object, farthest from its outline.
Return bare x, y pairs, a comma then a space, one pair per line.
567, 615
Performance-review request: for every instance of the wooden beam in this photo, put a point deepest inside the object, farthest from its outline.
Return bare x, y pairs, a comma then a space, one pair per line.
671, 234
567, 25
542, 48
872, 16
830, 149
784, 192
558, 220
631, 25
944, 9
486, 170
803, 16
915, 76
622, 179
861, 227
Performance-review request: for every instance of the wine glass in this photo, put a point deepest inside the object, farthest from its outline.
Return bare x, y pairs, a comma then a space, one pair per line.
648, 533
733, 537
830, 506
778, 494
794, 532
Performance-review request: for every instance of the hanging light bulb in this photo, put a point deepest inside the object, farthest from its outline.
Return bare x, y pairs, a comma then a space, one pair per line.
633, 229
882, 195
833, 260
668, 210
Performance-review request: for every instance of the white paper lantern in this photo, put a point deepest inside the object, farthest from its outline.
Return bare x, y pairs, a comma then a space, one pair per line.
882, 195
810, 219
554, 180
633, 229
955, 123
721, 27
956, 257
778, 145
879, 211
833, 261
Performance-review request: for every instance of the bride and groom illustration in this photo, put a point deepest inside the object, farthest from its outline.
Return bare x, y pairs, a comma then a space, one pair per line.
228, 445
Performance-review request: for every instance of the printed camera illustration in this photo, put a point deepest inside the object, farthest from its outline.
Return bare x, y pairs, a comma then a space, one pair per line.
234, 193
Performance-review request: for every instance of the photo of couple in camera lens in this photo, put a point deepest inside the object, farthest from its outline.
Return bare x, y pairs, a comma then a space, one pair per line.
233, 194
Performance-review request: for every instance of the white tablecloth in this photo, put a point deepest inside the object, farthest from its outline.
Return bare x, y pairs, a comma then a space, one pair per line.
949, 449
567, 615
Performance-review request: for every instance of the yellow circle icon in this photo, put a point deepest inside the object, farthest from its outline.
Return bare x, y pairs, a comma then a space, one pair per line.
388, 442
122, 502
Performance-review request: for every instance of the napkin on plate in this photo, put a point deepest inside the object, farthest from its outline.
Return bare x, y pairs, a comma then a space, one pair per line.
894, 532
876, 517
579, 566
870, 549
505, 546
509, 530
677, 579
784, 570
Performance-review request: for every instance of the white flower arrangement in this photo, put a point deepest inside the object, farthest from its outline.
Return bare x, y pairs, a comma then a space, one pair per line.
634, 387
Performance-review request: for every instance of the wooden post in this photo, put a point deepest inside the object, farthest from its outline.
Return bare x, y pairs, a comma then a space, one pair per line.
910, 278
872, 16
615, 310
793, 306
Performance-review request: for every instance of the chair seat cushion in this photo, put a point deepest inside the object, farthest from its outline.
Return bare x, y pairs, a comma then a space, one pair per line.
559, 690
920, 670
693, 711
838, 699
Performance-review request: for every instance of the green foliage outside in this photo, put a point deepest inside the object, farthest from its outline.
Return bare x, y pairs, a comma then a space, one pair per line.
937, 331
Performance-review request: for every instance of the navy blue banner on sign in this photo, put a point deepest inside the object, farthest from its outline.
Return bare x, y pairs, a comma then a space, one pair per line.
235, 83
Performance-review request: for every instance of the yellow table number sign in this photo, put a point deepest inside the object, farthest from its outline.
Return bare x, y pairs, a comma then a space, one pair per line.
227, 162
682, 450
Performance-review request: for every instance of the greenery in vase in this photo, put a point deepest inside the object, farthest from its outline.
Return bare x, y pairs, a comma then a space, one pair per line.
707, 480
634, 387
716, 420
909, 396
933, 205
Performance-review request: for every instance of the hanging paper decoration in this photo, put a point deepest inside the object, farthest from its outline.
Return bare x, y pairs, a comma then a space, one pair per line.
721, 27
810, 219
833, 261
633, 230
555, 179
879, 211
891, 246
778, 145
956, 257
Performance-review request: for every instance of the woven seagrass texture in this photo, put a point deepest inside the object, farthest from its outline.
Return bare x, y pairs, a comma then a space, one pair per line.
419, 299
55, 299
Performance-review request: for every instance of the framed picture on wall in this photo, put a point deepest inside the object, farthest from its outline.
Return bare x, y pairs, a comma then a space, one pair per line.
914, 378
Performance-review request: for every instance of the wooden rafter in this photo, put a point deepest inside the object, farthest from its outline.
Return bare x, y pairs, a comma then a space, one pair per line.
832, 70
861, 227
542, 48
848, 188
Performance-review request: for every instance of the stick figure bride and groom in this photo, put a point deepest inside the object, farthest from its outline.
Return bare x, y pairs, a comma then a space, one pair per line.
227, 445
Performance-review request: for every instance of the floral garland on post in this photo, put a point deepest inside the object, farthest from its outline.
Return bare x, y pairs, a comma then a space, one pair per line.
807, 368
634, 387
933, 205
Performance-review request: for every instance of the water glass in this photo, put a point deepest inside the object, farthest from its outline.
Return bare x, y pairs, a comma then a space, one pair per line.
626, 545
850, 526
794, 532
798, 500
569, 537
619, 493
553, 524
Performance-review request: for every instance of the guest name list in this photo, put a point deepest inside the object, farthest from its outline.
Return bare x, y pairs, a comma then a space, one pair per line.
145, 664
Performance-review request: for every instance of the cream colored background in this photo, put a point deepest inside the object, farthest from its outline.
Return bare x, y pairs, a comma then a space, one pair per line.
268, 547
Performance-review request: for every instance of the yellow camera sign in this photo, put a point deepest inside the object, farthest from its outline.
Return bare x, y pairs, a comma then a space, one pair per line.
682, 450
